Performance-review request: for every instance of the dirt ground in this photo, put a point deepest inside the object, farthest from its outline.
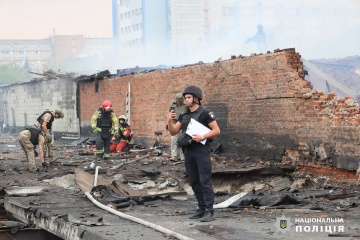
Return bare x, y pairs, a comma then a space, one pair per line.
296, 193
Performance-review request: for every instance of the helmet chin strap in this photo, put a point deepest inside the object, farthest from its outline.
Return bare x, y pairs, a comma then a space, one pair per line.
193, 101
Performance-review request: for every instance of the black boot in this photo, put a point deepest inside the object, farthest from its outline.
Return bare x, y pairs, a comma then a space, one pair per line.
208, 216
198, 214
99, 157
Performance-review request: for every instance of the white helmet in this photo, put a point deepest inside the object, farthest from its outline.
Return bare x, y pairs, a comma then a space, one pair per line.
123, 117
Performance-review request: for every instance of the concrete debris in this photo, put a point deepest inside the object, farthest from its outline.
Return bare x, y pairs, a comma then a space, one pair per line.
146, 183
75, 220
11, 224
24, 191
229, 201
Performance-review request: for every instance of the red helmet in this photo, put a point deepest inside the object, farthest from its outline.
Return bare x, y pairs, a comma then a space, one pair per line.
107, 105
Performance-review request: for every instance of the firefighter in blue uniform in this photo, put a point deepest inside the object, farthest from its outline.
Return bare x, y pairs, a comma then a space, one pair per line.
197, 155
103, 122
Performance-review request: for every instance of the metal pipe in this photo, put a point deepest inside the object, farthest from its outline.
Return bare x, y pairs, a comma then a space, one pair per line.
96, 175
73, 138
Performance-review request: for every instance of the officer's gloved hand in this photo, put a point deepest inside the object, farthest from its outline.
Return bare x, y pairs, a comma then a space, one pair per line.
45, 165
96, 130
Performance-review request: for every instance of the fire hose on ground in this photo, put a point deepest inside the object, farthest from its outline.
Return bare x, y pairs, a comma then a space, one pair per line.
131, 218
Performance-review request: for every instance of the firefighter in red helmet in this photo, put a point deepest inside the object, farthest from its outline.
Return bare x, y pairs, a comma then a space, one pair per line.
103, 122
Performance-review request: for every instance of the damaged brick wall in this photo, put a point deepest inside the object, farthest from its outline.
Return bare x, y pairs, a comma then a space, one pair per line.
264, 107
24, 102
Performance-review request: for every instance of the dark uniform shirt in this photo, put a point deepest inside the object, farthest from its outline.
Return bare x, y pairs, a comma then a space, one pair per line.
205, 118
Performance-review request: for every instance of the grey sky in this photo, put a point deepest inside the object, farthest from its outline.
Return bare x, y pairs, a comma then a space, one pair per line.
36, 19
317, 29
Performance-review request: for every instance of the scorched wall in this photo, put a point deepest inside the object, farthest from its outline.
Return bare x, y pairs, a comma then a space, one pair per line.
263, 105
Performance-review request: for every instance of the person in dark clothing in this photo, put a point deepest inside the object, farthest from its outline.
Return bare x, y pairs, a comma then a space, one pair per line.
197, 153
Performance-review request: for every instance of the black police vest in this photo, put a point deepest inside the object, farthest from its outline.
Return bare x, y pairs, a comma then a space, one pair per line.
34, 135
41, 121
187, 117
104, 120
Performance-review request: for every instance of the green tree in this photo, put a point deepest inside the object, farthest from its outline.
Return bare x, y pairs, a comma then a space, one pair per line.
11, 74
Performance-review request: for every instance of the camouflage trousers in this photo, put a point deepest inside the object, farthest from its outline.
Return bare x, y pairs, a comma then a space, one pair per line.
29, 150
48, 150
176, 152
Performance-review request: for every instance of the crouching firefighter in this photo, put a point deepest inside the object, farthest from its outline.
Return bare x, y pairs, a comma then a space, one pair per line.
29, 139
121, 142
103, 122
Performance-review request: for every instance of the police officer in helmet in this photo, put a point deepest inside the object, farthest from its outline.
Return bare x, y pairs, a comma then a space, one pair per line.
197, 155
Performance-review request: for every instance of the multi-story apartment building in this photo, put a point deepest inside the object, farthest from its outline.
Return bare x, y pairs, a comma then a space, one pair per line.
35, 53
72, 52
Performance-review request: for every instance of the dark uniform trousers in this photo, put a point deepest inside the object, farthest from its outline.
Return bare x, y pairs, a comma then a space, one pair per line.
198, 168
103, 140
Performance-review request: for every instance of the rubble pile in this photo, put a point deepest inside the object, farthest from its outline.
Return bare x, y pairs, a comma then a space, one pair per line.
146, 182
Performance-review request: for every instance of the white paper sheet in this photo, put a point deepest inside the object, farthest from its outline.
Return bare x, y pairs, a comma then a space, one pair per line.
195, 127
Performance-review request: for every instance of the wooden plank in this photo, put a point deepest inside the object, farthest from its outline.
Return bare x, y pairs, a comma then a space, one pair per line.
85, 181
